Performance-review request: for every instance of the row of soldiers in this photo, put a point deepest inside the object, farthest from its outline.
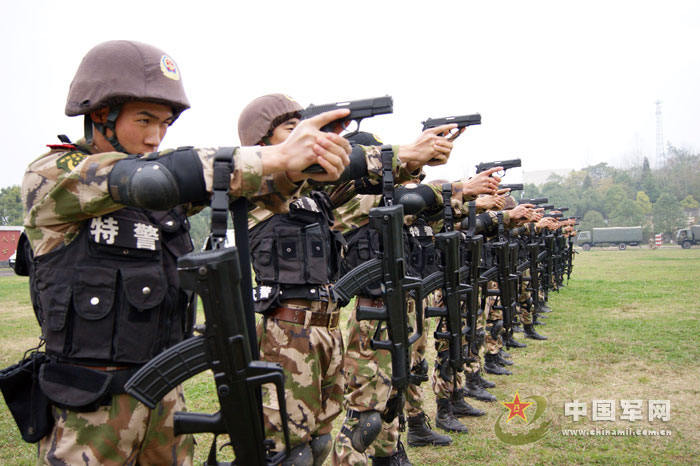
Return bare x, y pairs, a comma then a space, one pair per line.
105, 229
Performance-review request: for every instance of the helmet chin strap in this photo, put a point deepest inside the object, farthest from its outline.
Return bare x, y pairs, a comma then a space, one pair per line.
110, 124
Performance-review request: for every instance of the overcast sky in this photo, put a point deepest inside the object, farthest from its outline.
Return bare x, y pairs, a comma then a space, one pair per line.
560, 84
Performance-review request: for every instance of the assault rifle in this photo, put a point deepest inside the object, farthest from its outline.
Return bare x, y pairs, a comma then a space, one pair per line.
473, 244
449, 327
359, 110
506, 164
570, 258
225, 349
506, 256
390, 269
462, 121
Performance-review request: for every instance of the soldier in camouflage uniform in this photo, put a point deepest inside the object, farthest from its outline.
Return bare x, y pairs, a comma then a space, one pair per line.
106, 229
494, 355
299, 325
369, 372
450, 405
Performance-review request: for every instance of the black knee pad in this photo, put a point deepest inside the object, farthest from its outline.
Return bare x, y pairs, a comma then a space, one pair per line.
366, 431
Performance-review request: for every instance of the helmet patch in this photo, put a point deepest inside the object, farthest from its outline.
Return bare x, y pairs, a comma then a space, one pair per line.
169, 68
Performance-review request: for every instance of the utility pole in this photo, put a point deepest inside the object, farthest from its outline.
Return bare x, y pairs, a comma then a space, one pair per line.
660, 153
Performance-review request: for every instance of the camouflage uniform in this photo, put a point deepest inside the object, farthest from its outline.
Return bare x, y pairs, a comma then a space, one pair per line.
125, 432
61, 191
368, 372
312, 356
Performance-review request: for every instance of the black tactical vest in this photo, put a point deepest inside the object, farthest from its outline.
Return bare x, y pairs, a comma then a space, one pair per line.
295, 255
363, 244
113, 294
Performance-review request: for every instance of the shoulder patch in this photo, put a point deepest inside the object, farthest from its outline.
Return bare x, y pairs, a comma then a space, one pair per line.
68, 161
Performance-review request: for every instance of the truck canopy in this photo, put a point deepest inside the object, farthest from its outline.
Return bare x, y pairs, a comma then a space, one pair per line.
617, 235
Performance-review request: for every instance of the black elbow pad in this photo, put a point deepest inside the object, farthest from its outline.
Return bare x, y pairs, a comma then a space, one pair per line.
159, 182
357, 167
415, 199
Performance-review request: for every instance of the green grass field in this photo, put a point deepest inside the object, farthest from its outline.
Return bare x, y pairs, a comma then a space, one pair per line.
626, 328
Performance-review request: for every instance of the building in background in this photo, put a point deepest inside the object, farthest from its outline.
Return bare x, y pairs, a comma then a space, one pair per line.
8, 243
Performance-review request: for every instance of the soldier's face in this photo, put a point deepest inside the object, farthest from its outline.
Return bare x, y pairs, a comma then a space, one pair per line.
141, 126
282, 132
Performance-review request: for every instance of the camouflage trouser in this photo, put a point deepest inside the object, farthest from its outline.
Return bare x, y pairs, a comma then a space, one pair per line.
414, 393
312, 359
124, 433
492, 344
368, 388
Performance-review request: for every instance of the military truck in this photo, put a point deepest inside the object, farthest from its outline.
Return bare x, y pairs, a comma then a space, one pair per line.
688, 236
613, 236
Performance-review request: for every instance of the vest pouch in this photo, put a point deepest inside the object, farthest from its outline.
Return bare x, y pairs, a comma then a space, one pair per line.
29, 406
290, 257
54, 304
141, 315
317, 257
262, 258
74, 387
93, 301
174, 228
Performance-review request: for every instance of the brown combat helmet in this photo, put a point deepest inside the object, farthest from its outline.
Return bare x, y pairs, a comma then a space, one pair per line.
119, 71
259, 116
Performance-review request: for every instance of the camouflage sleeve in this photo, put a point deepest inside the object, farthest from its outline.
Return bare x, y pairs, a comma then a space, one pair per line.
355, 213
63, 187
247, 179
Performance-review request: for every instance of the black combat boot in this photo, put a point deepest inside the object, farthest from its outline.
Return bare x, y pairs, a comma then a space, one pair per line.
535, 320
532, 334
461, 408
420, 434
445, 419
473, 388
399, 457
504, 354
544, 308
503, 361
516, 327
485, 383
511, 342
493, 367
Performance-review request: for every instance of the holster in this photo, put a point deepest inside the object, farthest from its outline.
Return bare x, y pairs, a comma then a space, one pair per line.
74, 387
29, 406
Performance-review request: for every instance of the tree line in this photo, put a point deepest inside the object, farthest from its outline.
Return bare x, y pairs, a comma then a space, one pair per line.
661, 200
